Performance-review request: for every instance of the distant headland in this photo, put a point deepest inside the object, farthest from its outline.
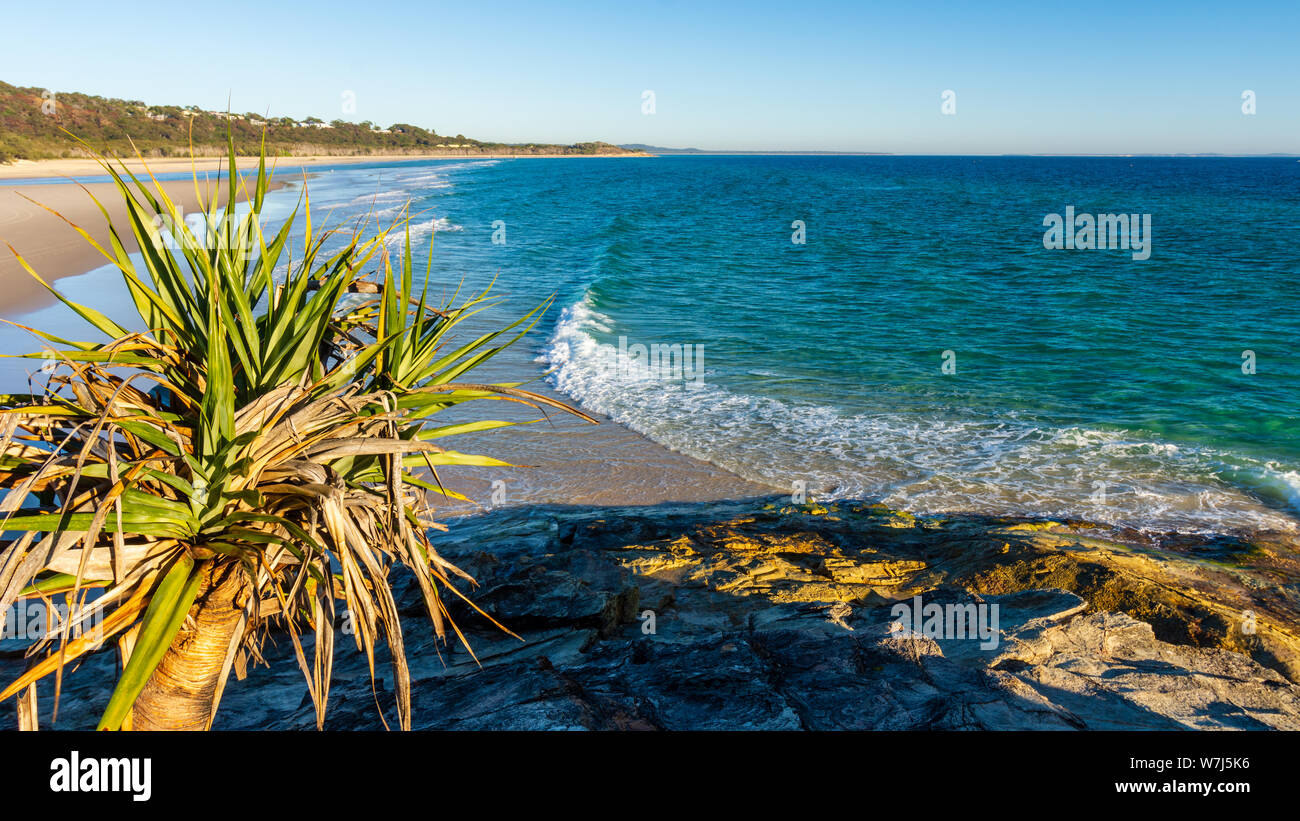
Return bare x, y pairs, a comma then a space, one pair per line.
35, 123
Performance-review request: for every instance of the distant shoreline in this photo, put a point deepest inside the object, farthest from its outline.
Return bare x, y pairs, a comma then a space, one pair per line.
54, 169
82, 166
696, 152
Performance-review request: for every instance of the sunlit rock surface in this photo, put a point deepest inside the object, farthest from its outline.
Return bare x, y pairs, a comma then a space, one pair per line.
775, 617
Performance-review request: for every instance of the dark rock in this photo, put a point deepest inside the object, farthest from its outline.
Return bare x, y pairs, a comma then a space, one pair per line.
780, 619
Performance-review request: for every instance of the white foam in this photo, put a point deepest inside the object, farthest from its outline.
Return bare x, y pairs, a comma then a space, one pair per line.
421, 230
457, 166
926, 463
380, 196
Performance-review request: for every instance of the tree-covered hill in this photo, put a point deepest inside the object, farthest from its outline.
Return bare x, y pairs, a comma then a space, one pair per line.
33, 122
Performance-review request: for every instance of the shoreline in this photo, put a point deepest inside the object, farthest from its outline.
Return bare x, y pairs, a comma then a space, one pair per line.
83, 166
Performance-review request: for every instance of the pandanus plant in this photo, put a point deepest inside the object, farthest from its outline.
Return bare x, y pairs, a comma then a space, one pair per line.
262, 453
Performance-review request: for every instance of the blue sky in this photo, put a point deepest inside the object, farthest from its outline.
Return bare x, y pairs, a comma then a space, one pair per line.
1029, 77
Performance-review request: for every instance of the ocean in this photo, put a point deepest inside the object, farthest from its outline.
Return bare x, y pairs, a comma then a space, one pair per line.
887, 328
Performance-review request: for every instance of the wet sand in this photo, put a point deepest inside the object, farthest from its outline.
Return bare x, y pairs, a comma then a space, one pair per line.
567, 461
53, 248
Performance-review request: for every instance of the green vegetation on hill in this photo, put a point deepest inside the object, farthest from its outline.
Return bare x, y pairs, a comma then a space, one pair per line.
33, 124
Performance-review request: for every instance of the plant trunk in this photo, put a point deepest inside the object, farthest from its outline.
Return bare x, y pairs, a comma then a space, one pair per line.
183, 691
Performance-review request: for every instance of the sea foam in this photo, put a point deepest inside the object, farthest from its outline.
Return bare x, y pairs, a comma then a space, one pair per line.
927, 463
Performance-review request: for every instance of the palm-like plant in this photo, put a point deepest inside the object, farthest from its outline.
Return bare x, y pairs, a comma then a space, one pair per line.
264, 447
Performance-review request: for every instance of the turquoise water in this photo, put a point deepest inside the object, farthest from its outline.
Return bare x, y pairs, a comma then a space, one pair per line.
1087, 383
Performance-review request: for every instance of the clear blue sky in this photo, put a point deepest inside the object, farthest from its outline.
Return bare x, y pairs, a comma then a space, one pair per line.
1029, 77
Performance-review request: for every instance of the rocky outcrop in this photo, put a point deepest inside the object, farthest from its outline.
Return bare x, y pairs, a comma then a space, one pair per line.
753, 616
780, 618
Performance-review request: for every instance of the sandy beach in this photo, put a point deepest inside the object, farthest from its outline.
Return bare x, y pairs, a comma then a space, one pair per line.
51, 247
83, 166
55, 250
